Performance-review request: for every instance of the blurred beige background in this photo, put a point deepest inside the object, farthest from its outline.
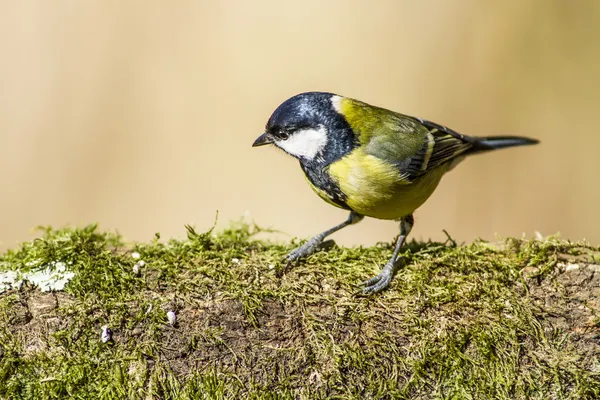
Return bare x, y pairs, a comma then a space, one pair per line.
140, 116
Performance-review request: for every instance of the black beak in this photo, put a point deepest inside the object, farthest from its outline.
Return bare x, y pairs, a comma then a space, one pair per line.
263, 139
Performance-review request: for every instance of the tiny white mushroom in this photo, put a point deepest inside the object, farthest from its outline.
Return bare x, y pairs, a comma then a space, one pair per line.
235, 260
172, 317
136, 268
106, 335
271, 266
135, 255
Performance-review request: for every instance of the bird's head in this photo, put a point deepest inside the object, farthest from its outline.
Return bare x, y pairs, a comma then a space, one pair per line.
307, 126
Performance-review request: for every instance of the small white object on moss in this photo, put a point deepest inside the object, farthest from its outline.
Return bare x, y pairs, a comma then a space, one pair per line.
171, 317
106, 335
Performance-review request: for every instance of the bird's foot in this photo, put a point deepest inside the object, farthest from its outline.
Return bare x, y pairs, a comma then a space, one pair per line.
380, 281
304, 251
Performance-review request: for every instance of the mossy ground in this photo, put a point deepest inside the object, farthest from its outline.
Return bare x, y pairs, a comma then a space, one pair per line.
513, 320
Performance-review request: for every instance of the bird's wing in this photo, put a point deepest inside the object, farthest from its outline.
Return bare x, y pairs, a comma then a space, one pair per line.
441, 146
415, 145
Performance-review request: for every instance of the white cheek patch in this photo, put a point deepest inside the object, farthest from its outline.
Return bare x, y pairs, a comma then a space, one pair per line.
305, 143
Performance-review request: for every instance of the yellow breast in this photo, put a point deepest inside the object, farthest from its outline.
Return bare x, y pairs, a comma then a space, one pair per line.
377, 189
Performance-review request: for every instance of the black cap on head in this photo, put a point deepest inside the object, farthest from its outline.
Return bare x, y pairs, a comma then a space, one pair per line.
305, 110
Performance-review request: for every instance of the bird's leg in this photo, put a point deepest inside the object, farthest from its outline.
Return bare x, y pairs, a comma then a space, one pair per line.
311, 246
383, 279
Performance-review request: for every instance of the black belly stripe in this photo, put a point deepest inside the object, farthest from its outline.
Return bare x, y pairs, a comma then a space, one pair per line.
321, 179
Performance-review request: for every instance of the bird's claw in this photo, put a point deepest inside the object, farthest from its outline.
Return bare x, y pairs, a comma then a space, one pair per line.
303, 251
379, 282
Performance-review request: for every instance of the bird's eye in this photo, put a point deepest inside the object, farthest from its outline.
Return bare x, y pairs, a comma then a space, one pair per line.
282, 134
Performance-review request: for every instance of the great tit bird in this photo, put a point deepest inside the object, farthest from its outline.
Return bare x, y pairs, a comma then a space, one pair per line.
368, 160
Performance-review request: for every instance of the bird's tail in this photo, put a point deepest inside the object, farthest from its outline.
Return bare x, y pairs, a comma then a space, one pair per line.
481, 144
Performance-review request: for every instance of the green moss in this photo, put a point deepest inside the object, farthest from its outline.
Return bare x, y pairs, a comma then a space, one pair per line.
477, 321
